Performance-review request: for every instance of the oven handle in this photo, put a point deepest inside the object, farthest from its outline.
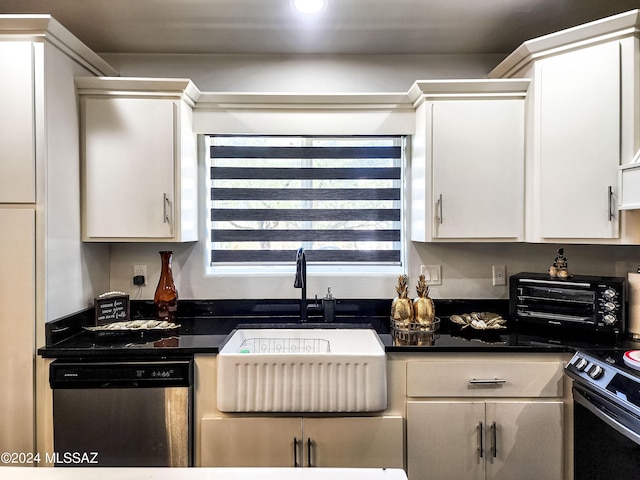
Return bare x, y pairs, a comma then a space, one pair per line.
600, 413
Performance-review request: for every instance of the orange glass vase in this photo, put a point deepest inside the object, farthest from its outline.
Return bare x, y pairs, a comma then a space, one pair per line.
166, 296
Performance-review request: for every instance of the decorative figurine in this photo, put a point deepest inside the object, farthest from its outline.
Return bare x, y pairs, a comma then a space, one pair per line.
560, 267
402, 307
423, 309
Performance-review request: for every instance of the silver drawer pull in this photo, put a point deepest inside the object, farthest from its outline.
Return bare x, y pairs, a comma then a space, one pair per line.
487, 381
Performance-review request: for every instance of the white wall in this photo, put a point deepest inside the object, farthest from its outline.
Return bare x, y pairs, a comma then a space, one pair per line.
75, 271
298, 73
466, 267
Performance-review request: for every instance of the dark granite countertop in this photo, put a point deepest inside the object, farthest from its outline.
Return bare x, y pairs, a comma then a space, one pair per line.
204, 326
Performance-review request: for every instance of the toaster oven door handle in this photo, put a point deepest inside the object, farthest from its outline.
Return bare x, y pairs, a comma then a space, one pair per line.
554, 316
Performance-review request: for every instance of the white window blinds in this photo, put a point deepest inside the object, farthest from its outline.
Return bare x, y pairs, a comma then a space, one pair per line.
339, 198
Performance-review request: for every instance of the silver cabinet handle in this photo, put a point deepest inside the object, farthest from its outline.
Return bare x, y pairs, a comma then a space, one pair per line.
309, 445
480, 436
295, 452
439, 209
609, 199
487, 381
165, 211
494, 439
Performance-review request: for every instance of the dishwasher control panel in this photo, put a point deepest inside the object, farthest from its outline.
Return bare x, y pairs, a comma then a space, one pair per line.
98, 374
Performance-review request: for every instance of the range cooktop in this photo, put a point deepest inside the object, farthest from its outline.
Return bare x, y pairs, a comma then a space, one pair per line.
607, 373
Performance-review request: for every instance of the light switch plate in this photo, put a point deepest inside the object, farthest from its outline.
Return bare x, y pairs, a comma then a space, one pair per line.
433, 274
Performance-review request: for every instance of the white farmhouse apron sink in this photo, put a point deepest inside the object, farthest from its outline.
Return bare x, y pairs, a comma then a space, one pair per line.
302, 370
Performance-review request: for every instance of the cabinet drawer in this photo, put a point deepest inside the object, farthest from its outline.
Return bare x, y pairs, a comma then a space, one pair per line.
485, 379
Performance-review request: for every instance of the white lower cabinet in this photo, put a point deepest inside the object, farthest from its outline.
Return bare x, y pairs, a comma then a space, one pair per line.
356, 442
475, 440
486, 417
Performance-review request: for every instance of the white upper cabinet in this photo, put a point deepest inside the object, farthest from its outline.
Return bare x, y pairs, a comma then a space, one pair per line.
129, 172
579, 142
467, 166
582, 125
139, 163
17, 158
478, 168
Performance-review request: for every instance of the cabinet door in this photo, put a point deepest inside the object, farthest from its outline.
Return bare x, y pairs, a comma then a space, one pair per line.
526, 442
129, 152
579, 143
354, 442
444, 440
478, 168
17, 143
17, 321
251, 442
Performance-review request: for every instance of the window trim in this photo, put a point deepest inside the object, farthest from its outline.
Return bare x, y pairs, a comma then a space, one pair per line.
333, 268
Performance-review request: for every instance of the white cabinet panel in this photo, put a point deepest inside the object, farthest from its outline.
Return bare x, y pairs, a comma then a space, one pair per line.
17, 141
17, 321
365, 442
478, 168
355, 442
579, 143
525, 442
129, 151
468, 161
444, 440
251, 442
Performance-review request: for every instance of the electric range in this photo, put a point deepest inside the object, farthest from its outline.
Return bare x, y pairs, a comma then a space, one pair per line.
607, 372
606, 414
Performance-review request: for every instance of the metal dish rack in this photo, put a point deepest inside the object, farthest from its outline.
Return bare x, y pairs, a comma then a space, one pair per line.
285, 345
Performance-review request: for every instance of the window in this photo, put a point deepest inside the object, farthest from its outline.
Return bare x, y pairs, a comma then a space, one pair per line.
340, 198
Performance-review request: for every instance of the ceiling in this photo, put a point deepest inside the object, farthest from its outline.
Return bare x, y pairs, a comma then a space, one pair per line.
343, 27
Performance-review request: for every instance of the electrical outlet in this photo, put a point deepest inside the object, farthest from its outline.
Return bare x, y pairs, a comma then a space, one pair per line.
140, 271
499, 273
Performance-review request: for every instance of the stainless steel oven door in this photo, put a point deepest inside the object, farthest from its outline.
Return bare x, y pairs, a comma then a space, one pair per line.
606, 438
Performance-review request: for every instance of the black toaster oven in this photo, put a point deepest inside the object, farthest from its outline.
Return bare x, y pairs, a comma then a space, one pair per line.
584, 302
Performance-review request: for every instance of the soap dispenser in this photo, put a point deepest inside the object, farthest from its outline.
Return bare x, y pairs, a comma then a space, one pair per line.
329, 307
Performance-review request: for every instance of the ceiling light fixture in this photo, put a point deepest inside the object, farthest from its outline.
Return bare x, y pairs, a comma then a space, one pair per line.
309, 6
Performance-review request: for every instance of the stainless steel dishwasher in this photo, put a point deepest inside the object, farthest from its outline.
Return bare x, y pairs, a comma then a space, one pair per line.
122, 413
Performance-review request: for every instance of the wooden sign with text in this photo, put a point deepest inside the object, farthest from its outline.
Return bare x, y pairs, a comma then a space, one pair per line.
111, 308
